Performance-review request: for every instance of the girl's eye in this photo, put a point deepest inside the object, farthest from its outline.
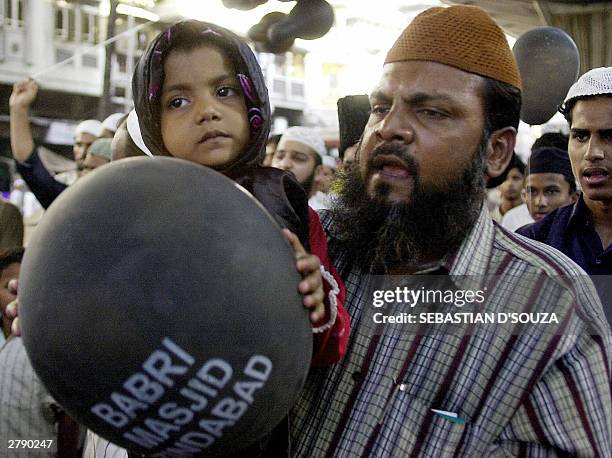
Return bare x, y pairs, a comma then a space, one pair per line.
177, 102
227, 91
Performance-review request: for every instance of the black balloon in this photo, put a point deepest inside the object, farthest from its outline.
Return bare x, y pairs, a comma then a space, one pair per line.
243, 4
259, 34
309, 19
549, 64
159, 305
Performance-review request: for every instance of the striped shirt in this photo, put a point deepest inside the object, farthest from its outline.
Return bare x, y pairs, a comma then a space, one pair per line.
515, 394
27, 411
98, 447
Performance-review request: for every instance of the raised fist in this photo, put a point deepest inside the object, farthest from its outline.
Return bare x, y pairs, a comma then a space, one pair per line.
24, 93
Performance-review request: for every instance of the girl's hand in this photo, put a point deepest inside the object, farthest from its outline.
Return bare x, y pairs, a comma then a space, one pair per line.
12, 310
311, 286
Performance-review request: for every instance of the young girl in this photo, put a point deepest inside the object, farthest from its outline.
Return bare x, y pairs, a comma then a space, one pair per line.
199, 95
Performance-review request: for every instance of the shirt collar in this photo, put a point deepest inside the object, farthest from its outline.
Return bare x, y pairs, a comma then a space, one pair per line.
580, 214
472, 257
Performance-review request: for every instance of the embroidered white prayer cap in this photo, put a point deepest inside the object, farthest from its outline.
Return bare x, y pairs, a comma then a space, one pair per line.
89, 126
594, 82
307, 136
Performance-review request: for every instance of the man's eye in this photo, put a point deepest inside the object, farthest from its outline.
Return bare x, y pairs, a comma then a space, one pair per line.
434, 114
580, 136
379, 109
227, 91
177, 102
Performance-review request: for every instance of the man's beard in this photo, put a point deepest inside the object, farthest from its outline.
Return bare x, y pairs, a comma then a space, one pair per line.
435, 221
308, 183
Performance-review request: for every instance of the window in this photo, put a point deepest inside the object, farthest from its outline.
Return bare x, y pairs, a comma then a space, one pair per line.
297, 66
65, 22
297, 89
85, 27
71, 25
121, 62
14, 13
62, 55
59, 22
90, 61
279, 86
118, 91
90, 28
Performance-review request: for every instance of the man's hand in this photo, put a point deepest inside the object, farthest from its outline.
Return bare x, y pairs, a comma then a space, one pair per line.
24, 94
311, 286
12, 309
22, 142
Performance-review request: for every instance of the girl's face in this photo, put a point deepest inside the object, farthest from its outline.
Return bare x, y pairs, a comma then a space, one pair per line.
203, 112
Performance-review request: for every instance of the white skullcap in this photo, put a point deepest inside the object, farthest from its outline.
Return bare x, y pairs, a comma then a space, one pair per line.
112, 122
307, 136
89, 126
594, 82
329, 162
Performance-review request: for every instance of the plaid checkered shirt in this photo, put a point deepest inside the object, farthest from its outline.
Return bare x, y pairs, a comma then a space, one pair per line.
517, 394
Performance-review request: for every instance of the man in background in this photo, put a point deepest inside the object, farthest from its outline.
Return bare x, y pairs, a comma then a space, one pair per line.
29, 165
325, 173
583, 231
353, 114
300, 151
549, 183
519, 216
510, 189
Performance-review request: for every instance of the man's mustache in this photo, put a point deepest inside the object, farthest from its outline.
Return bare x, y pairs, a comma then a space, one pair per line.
394, 149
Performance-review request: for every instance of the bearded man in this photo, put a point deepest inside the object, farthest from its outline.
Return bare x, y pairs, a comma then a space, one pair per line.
443, 119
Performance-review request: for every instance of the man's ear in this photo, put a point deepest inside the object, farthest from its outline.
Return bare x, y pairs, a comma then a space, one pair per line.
499, 151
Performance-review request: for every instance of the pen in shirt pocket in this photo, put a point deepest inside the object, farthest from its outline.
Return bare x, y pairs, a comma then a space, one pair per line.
450, 416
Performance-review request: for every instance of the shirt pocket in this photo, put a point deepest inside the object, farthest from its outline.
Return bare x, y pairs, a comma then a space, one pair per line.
436, 434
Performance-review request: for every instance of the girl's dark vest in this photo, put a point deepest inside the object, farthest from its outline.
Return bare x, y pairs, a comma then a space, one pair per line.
281, 194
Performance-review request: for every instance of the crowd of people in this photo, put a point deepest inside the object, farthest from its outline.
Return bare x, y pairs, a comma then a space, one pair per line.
407, 196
